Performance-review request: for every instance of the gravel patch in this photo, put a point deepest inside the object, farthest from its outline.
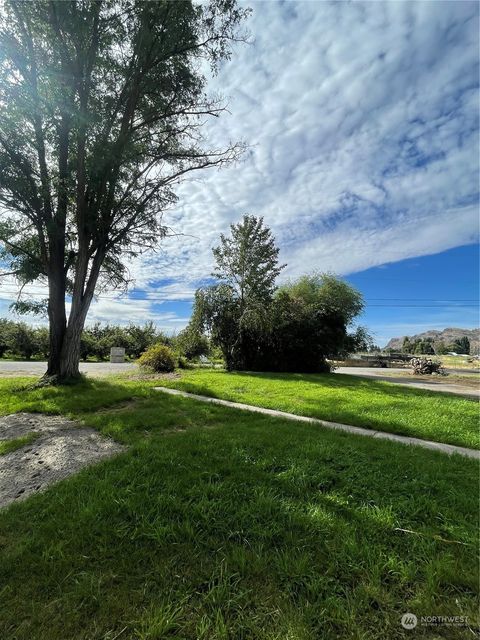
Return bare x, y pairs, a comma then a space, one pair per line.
62, 448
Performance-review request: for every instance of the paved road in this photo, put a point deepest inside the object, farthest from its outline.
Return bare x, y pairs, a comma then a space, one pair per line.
9, 368
398, 377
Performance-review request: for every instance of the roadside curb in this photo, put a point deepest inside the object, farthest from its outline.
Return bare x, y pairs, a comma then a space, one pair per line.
426, 444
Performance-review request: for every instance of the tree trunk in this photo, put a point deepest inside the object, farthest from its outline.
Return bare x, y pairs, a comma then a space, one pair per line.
70, 354
57, 323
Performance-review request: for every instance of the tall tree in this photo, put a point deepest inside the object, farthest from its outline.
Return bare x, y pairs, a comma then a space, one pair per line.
246, 268
247, 261
462, 345
102, 104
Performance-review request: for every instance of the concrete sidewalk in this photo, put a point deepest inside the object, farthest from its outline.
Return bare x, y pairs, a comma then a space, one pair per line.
426, 444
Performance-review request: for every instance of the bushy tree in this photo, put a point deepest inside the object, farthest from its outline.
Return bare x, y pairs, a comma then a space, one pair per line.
441, 348
359, 340
461, 345
22, 340
238, 306
258, 327
6, 329
191, 344
310, 321
217, 312
407, 346
140, 338
101, 111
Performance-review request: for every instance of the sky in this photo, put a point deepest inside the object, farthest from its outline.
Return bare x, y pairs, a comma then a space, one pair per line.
362, 126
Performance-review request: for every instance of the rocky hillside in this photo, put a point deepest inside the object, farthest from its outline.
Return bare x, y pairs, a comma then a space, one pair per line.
447, 336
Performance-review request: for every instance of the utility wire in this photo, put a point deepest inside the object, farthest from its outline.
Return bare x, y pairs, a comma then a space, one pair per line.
153, 298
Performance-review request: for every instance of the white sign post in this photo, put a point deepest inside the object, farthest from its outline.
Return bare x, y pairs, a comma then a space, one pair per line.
117, 354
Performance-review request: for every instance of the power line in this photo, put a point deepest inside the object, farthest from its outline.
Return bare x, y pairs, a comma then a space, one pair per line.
152, 298
166, 298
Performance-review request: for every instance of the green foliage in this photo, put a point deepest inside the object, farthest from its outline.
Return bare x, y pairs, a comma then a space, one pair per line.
98, 340
191, 343
102, 107
247, 261
296, 331
461, 345
441, 348
418, 346
407, 346
20, 340
159, 358
5, 333
359, 341
324, 291
260, 328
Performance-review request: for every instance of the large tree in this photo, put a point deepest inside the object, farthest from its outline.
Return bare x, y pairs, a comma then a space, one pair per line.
247, 261
246, 269
102, 104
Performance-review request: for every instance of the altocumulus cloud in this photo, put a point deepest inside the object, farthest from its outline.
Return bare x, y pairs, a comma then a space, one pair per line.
362, 121
363, 125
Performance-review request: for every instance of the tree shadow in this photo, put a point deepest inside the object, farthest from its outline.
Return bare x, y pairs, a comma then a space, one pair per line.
238, 521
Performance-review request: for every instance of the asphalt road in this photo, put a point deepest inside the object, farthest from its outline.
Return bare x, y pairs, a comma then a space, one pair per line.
398, 376
9, 368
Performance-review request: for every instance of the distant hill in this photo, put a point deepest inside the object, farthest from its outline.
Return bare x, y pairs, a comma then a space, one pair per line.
447, 336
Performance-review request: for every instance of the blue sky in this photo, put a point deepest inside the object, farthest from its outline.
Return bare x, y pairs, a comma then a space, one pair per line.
363, 125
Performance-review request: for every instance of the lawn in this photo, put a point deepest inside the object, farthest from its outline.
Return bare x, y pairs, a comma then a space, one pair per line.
221, 524
459, 362
347, 399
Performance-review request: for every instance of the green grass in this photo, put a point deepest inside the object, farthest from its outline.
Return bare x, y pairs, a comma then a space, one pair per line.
19, 394
347, 399
7, 446
459, 362
220, 524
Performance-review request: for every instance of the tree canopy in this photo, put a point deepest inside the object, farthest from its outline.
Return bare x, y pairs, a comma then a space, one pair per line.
260, 326
102, 106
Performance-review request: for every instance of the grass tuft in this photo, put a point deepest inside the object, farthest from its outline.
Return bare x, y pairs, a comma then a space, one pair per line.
7, 446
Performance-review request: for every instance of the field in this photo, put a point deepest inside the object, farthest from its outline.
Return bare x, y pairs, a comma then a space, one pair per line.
221, 524
342, 398
459, 362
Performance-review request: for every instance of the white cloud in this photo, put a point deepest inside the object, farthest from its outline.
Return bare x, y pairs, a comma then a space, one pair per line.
363, 125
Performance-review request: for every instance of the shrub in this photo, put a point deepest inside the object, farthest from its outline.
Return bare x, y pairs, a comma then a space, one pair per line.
159, 358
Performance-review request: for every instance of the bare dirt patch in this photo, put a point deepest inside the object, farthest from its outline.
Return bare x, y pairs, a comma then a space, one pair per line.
61, 448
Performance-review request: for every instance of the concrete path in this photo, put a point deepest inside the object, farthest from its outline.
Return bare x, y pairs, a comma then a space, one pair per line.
397, 376
426, 444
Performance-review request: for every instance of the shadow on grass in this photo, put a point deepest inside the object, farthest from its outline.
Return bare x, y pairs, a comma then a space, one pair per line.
346, 381
252, 529
87, 395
